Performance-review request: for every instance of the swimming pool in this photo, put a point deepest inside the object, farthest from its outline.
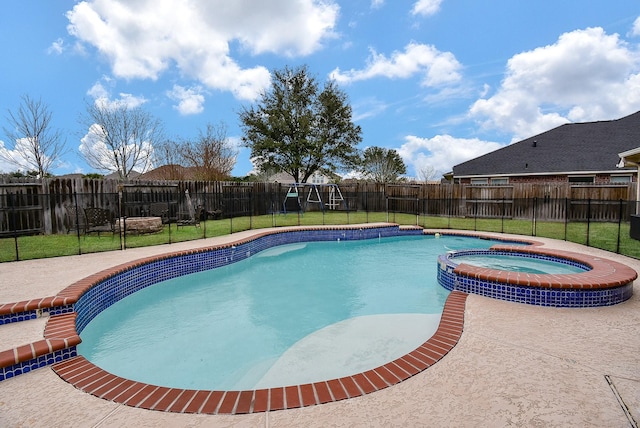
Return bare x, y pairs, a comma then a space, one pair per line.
291, 314
608, 282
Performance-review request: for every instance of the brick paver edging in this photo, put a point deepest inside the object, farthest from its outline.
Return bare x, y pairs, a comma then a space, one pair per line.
91, 379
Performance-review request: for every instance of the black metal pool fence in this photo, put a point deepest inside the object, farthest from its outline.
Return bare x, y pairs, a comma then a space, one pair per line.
593, 222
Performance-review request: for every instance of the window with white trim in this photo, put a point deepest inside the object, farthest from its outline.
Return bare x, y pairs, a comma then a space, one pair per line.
501, 180
479, 181
620, 179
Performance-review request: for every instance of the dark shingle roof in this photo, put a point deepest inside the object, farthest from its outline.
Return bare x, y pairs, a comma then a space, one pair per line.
573, 147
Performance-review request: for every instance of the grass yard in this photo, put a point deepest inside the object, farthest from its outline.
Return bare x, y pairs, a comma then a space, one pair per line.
600, 235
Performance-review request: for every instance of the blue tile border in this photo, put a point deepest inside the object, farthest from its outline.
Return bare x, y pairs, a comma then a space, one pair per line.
35, 313
576, 297
38, 362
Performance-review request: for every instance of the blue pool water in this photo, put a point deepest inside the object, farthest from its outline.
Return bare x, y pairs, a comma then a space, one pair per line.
518, 264
291, 314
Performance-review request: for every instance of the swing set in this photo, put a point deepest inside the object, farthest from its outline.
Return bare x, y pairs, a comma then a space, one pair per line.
295, 198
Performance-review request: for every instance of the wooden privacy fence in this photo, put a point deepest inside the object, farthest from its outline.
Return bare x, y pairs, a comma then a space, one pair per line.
47, 206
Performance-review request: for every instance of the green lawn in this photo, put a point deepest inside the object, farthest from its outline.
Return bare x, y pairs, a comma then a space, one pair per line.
601, 235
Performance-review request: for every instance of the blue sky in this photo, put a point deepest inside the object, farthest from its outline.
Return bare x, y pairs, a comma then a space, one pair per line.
441, 81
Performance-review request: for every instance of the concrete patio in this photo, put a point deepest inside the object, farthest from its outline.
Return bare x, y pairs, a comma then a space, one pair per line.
515, 365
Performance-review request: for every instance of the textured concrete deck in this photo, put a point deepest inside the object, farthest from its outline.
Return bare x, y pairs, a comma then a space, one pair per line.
515, 365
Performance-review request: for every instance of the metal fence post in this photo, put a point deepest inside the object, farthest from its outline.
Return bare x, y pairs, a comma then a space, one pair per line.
502, 218
588, 218
12, 223
475, 216
533, 222
619, 225
566, 217
75, 202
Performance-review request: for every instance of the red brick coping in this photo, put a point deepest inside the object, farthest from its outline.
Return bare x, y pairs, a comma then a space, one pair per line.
604, 273
89, 378
59, 333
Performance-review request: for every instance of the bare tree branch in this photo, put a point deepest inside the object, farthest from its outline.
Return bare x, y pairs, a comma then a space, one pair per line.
427, 173
120, 138
167, 154
211, 154
33, 143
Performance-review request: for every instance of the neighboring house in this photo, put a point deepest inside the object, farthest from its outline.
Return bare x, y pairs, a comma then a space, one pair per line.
574, 152
133, 175
168, 172
631, 159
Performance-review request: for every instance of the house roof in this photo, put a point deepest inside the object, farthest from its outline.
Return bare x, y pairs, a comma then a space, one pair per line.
115, 176
571, 148
168, 172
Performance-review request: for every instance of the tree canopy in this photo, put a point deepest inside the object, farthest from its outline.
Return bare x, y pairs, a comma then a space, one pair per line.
382, 165
33, 143
297, 128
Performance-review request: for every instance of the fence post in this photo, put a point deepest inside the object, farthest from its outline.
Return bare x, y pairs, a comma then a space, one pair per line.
566, 217
588, 218
77, 219
273, 208
122, 220
387, 207
251, 208
231, 216
533, 222
12, 223
619, 225
475, 216
366, 203
502, 217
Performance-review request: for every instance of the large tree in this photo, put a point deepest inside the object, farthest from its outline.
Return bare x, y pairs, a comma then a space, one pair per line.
120, 138
211, 153
33, 143
298, 128
382, 165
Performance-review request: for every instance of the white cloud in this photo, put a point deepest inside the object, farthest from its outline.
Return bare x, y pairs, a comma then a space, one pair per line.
368, 107
635, 30
102, 97
586, 74
376, 4
426, 7
15, 154
56, 47
92, 146
93, 143
20, 157
190, 100
442, 152
142, 39
437, 68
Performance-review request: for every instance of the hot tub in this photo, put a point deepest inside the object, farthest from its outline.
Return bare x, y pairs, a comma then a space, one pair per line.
598, 281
